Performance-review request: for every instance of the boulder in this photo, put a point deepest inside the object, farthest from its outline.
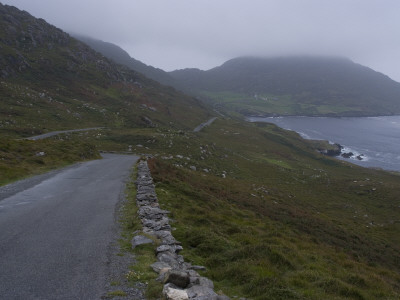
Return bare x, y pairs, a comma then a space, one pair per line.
202, 281
158, 266
140, 240
198, 268
347, 154
201, 293
169, 248
177, 277
223, 297
171, 259
170, 292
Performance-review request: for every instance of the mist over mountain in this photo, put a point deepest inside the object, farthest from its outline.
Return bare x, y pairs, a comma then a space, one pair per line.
120, 56
299, 85
52, 81
303, 80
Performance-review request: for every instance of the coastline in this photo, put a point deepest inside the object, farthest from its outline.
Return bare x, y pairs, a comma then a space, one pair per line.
366, 141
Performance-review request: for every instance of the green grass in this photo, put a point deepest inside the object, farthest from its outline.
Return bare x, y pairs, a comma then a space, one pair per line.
233, 103
274, 247
286, 222
144, 254
22, 158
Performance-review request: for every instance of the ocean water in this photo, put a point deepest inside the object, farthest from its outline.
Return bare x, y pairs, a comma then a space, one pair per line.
376, 138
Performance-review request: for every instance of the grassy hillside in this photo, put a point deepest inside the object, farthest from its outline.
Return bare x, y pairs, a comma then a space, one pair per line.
51, 81
269, 216
294, 86
120, 56
22, 158
273, 219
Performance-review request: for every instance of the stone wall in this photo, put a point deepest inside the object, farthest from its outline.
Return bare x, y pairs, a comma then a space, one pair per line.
181, 280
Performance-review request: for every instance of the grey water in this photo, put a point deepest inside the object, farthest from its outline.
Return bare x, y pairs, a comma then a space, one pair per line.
377, 138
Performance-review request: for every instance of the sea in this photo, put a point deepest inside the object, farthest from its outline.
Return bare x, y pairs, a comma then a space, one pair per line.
375, 139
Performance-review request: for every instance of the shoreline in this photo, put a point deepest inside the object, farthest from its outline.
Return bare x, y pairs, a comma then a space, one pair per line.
359, 143
247, 117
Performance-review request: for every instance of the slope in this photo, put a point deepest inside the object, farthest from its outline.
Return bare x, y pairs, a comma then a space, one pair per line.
120, 56
267, 215
51, 81
271, 218
295, 86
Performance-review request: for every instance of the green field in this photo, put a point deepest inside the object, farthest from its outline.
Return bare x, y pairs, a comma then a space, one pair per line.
269, 216
232, 103
285, 223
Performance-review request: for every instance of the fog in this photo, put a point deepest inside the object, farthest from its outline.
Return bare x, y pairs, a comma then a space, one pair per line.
178, 34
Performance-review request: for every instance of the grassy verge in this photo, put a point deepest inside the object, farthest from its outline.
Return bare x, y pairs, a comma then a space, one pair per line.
274, 247
232, 103
144, 254
269, 216
22, 158
273, 219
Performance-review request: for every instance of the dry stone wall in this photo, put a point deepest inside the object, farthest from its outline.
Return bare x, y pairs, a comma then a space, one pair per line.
181, 279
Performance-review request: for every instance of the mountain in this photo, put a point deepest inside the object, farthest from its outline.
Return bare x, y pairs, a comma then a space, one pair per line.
51, 81
267, 215
120, 56
295, 85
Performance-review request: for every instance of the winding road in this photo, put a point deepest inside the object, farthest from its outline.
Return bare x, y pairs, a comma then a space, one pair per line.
202, 125
55, 234
53, 133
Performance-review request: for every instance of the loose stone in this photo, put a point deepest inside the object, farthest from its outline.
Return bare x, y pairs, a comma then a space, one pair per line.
181, 281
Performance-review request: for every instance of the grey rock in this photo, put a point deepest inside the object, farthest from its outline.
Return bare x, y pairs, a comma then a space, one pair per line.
171, 259
153, 213
202, 281
151, 203
171, 292
192, 273
166, 237
140, 240
171, 267
169, 248
223, 297
158, 266
201, 293
162, 274
163, 248
156, 225
198, 268
146, 197
177, 277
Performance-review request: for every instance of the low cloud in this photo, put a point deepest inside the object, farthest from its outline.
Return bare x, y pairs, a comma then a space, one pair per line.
183, 33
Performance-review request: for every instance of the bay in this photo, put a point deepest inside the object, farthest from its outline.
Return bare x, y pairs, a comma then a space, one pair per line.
376, 138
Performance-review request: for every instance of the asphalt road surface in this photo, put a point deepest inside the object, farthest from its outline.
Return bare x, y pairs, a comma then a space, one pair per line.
54, 235
49, 134
202, 125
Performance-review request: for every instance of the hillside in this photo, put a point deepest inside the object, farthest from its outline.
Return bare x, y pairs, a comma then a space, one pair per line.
268, 215
295, 86
122, 57
51, 81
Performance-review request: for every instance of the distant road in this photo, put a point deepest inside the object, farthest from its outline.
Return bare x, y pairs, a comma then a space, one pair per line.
202, 125
49, 134
55, 235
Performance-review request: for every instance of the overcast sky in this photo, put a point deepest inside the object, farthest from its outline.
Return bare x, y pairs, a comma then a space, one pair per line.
175, 34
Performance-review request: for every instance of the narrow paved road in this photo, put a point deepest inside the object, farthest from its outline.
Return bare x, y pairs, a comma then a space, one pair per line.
49, 134
54, 236
202, 125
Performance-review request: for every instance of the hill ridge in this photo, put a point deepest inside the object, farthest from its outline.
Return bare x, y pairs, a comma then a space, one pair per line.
51, 81
309, 81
